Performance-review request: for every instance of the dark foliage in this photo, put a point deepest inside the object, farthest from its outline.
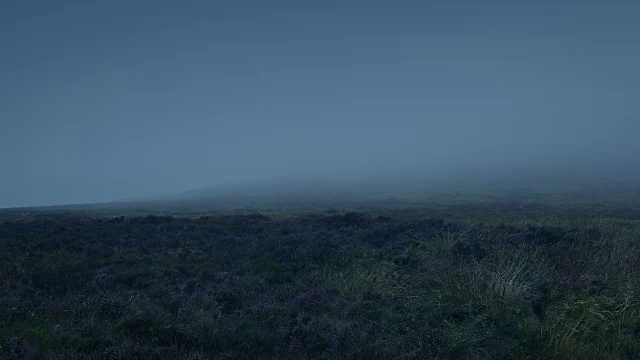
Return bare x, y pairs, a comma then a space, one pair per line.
343, 285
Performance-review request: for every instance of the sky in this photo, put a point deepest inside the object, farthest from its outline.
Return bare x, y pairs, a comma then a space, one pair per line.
105, 100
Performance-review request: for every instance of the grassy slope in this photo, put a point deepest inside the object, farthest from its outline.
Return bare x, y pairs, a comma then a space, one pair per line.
561, 280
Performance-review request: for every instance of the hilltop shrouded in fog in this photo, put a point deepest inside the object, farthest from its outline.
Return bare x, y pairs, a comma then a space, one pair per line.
294, 179
111, 100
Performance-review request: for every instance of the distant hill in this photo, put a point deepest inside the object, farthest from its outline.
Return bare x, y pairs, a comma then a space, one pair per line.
290, 191
306, 193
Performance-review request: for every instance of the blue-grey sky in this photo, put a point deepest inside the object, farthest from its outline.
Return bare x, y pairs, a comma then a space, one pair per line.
102, 100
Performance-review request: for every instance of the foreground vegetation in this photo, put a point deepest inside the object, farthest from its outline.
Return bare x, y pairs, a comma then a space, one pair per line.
339, 285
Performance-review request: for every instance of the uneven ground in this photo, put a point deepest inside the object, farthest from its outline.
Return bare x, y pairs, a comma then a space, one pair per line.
548, 283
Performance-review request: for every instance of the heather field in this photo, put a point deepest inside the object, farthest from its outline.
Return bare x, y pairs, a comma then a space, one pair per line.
474, 283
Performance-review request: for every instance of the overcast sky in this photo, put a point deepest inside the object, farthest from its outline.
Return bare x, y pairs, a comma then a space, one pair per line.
102, 100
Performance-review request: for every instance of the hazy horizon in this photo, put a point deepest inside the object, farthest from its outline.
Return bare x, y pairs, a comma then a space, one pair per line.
113, 100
